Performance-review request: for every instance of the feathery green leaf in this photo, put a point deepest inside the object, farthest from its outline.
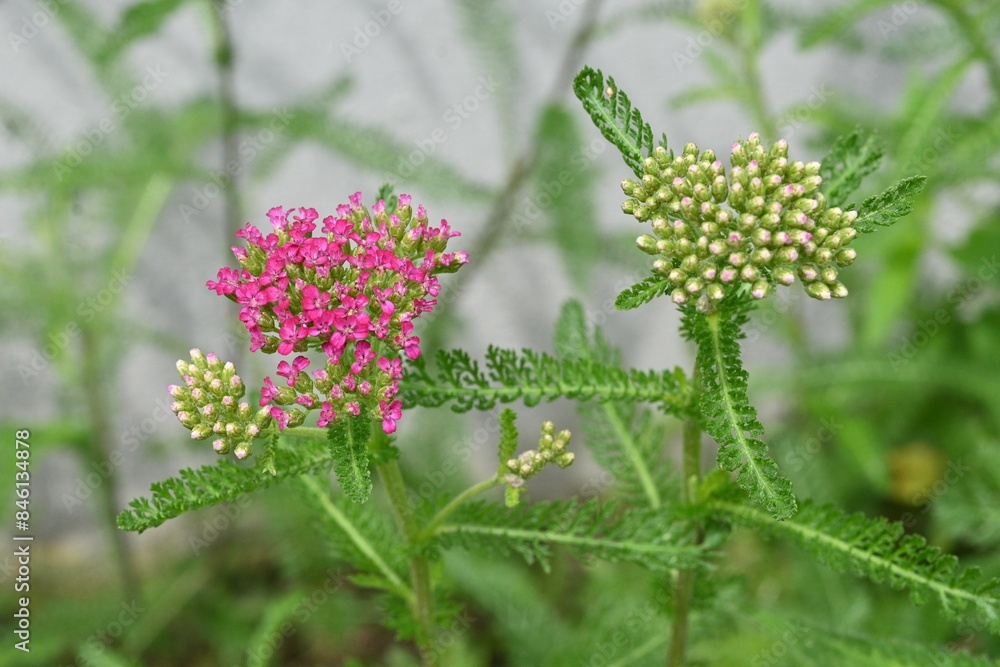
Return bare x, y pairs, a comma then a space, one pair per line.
642, 292
726, 409
852, 157
885, 208
348, 437
532, 377
223, 482
612, 113
590, 530
881, 551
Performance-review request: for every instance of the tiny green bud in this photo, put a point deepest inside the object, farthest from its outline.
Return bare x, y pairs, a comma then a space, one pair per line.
818, 291
846, 256
647, 244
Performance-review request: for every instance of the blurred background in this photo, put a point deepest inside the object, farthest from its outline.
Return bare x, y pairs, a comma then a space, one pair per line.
138, 136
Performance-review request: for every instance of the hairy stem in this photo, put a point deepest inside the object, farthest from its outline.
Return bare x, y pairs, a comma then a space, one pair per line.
422, 603
354, 535
684, 593
628, 443
431, 528
99, 423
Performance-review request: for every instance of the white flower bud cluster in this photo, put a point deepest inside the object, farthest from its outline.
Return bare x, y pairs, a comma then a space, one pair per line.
551, 449
208, 404
764, 224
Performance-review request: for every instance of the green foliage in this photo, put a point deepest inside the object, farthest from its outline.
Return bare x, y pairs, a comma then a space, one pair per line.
852, 157
508, 436
643, 292
590, 530
885, 208
883, 552
567, 177
625, 439
223, 482
532, 376
726, 410
612, 113
348, 437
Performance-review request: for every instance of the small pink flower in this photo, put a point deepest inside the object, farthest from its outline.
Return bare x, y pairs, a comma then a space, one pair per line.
268, 392
326, 414
391, 412
279, 416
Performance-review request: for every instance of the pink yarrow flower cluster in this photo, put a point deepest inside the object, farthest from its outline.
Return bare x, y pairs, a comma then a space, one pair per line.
350, 291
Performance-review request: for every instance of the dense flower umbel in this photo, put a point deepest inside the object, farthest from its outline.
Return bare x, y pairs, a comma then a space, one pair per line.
763, 225
352, 292
208, 404
551, 449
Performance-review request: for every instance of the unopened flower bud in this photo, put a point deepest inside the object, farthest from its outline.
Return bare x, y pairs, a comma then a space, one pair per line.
243, 450
646, 243
760, 289
201, 432
846, 256
818, 291
784, 275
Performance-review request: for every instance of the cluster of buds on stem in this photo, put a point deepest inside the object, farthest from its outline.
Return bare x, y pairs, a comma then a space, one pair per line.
764, 224
551, 449
209, 404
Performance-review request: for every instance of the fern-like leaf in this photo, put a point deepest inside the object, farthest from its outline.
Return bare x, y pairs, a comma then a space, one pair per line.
852, 157
885, 208
589, 530
725, 407
508, 436
348, 437
642, 292
223, 482
532, 377
881, 551
612, 113
625, 439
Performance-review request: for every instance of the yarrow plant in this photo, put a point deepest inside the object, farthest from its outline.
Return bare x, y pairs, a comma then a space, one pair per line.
723, 238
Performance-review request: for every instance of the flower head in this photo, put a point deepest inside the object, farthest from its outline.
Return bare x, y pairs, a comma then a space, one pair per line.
762, 225
351, 292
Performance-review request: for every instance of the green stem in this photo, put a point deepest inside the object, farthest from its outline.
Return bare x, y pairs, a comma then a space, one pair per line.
422, 602
431, 528
692, 471
359, 540
628, 443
